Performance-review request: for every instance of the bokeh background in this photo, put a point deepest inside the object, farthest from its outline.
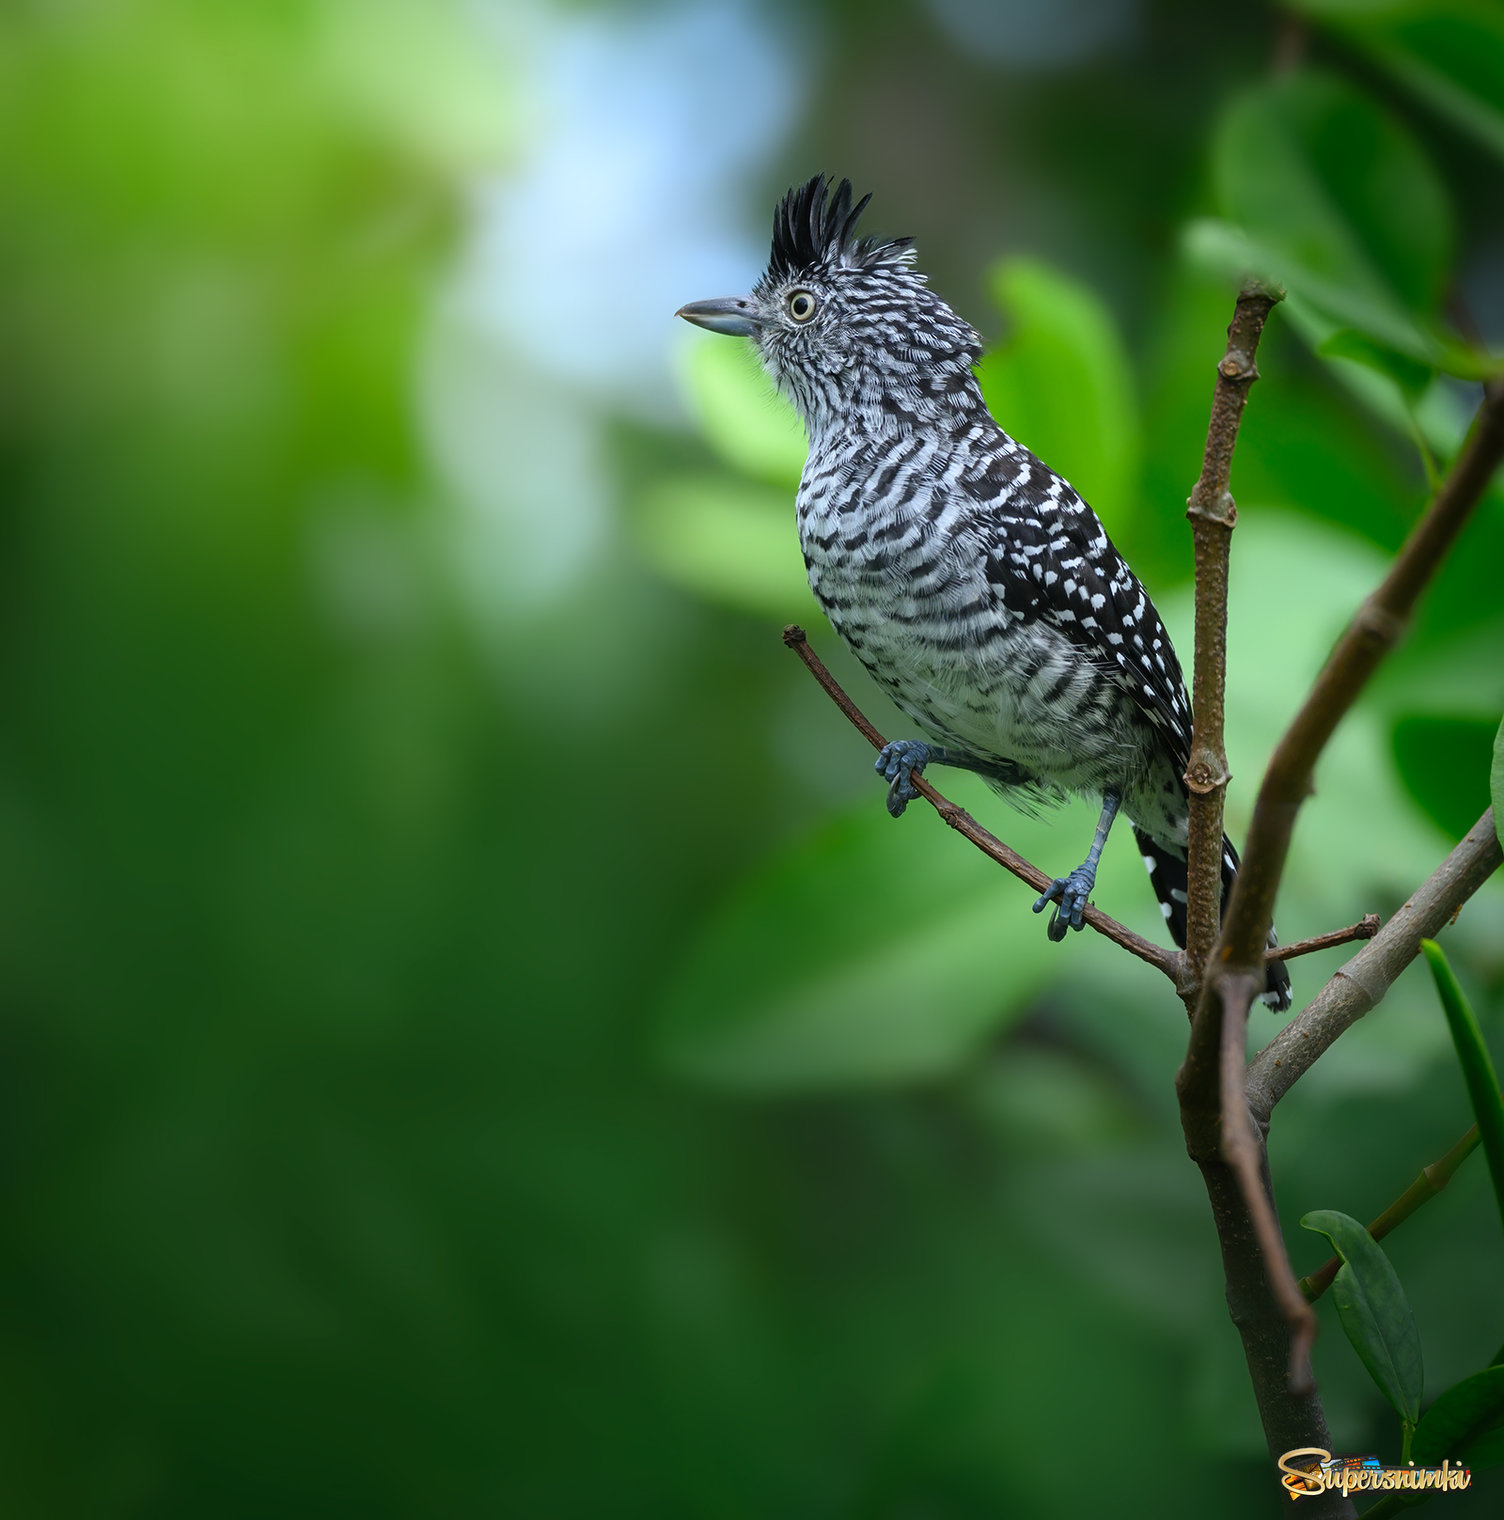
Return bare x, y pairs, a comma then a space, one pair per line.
473, 1042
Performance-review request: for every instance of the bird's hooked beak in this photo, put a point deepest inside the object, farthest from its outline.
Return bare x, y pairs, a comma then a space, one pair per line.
732, 315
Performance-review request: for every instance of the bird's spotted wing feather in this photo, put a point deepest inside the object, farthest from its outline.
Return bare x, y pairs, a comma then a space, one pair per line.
1051, 560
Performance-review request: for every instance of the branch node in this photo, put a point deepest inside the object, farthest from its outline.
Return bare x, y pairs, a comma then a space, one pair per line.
1221, 510
1237, 365
1206, 776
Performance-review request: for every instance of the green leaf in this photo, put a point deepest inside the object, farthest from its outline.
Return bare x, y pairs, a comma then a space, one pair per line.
1444, 763
1331, 197
1496, 783
1323, 306
1061, 384
1477, 1066
728, 540
1448, 53
1374, 1311
741, 414
1465, 1425
1312, 167
1217, 247
870, 952
1411, 376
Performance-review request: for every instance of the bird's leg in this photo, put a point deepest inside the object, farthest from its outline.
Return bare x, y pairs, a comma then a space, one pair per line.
1071, 892
904, 759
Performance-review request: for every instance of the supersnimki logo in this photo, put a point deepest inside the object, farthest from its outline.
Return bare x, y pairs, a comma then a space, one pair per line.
1310, 1470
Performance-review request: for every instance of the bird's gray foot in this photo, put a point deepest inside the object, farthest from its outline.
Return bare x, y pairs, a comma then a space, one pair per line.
899, 763
1071, 893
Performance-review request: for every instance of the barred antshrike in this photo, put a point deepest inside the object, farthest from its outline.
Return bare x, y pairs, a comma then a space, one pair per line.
971, 580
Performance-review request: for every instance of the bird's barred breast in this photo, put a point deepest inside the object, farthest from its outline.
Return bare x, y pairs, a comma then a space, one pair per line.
896, 556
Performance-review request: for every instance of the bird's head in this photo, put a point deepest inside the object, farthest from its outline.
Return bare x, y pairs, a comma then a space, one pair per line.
844, 324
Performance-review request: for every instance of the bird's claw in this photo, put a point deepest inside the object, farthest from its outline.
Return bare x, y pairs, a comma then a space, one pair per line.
900, 762
1071, 893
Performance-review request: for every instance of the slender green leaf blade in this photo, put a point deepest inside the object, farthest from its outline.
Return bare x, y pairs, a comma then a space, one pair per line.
1374, 1311
1496, 783
1465, 1425
1477, 1065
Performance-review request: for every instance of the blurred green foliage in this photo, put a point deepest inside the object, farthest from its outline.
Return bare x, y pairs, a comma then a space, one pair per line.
475, 1043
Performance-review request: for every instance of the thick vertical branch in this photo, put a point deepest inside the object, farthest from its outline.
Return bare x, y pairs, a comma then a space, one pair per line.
1235, 1170
1220, 1134
1212, 515
1273, 1311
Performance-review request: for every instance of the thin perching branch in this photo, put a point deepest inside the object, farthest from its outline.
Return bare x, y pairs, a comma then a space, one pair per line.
1167, 961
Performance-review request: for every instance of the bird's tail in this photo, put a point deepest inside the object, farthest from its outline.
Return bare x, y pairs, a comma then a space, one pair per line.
1167, 871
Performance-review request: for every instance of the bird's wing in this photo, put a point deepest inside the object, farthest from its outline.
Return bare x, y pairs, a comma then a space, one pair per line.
1050, 559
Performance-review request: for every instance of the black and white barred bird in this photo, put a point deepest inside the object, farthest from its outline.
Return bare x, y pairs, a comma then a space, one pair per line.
971, 580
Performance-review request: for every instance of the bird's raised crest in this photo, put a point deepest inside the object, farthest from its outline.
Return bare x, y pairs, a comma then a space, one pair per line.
814, 226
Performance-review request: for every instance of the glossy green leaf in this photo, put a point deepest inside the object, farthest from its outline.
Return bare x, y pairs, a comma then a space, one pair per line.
1331, 197
1374, 1311
1465, 1425
1496, 783
1444, 762
1448, 53
1319, 306
729, 540
1410, 375
1218, 247
1311, 166
1060, 383
741, 415
1477, 1065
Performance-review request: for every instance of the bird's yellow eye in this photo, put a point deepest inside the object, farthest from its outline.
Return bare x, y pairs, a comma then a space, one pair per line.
801, 305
